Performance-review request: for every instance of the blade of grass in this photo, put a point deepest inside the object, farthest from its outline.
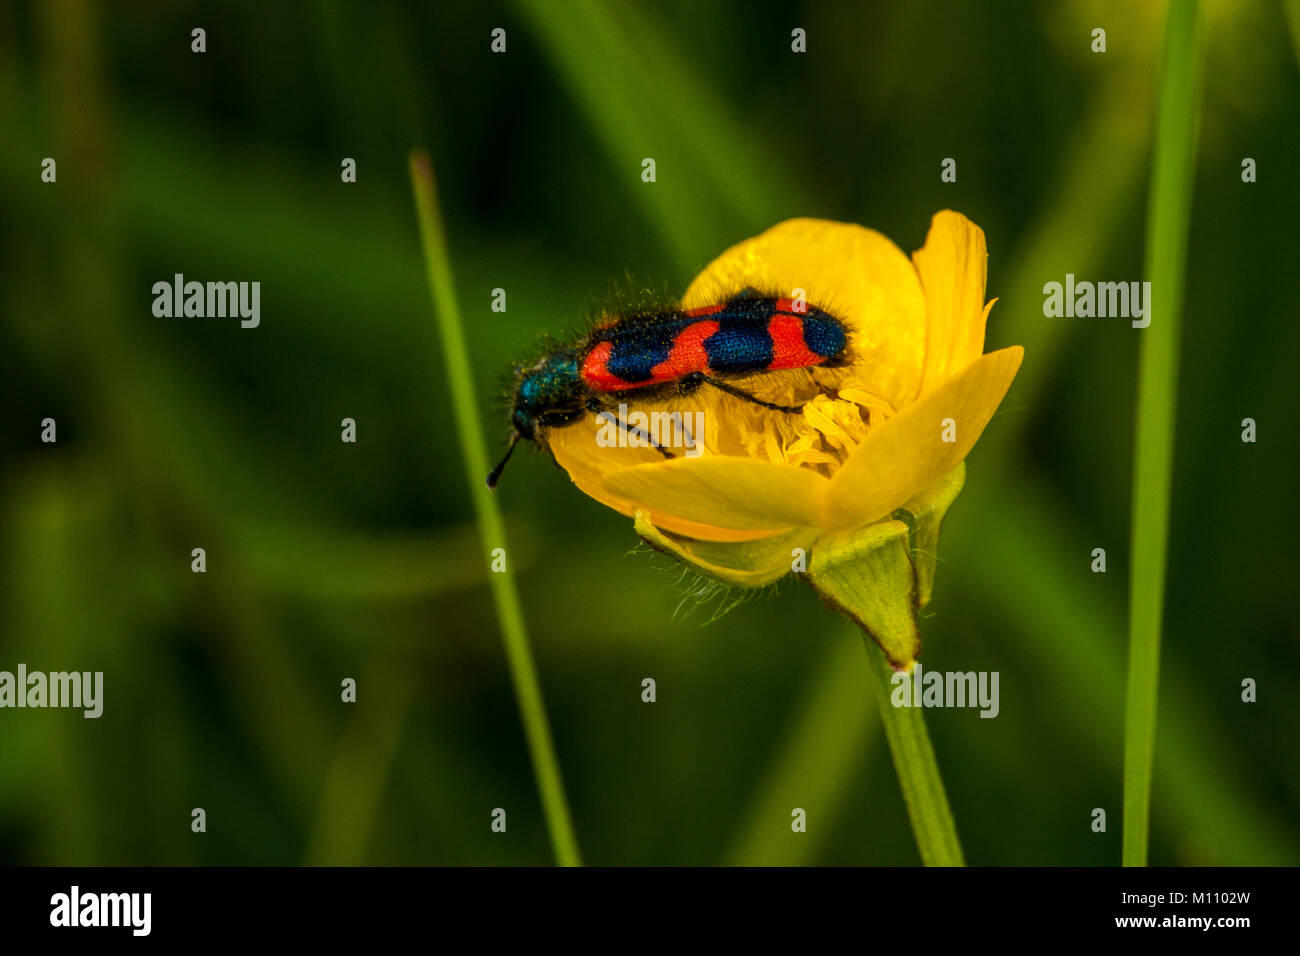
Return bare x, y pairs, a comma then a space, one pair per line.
1172, 171
528, 690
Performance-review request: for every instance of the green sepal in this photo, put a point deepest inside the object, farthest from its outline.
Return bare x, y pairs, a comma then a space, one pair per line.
741, 564
923, 516
867, 575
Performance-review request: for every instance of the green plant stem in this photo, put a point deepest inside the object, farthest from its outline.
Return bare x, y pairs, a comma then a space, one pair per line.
1169, 210
918, 773
528, 690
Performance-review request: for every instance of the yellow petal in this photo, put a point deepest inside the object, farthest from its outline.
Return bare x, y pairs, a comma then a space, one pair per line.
751, 564
856, 274
576, 451
953, 267
728, 492
907, 454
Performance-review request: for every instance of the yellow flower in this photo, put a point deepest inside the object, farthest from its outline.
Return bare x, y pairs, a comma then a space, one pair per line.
858, 479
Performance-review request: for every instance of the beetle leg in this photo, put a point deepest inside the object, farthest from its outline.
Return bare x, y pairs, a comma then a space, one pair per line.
600, 408
697, 379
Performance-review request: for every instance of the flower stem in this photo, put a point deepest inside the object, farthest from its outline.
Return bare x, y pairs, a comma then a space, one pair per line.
1172, 170
528, 690
918, 774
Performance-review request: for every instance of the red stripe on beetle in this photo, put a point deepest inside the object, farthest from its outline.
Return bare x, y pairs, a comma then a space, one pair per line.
595, 370
705, 310
789, 350
687, 354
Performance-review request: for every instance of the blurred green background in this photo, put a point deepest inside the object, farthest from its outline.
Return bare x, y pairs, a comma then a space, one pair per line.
329, 560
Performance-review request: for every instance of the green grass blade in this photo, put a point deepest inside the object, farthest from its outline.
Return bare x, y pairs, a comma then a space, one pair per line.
528, 690
1173, 168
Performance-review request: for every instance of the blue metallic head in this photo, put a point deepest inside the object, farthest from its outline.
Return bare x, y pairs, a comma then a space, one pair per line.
549, 394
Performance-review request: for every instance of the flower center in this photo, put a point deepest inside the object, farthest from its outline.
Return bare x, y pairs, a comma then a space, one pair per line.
836, 411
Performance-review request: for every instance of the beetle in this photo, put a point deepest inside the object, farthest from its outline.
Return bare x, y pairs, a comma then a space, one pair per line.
653, 353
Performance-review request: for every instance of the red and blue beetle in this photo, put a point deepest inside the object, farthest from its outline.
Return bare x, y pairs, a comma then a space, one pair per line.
650, 355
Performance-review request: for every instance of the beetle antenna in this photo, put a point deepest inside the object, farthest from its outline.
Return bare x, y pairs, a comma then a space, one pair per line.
495, 474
